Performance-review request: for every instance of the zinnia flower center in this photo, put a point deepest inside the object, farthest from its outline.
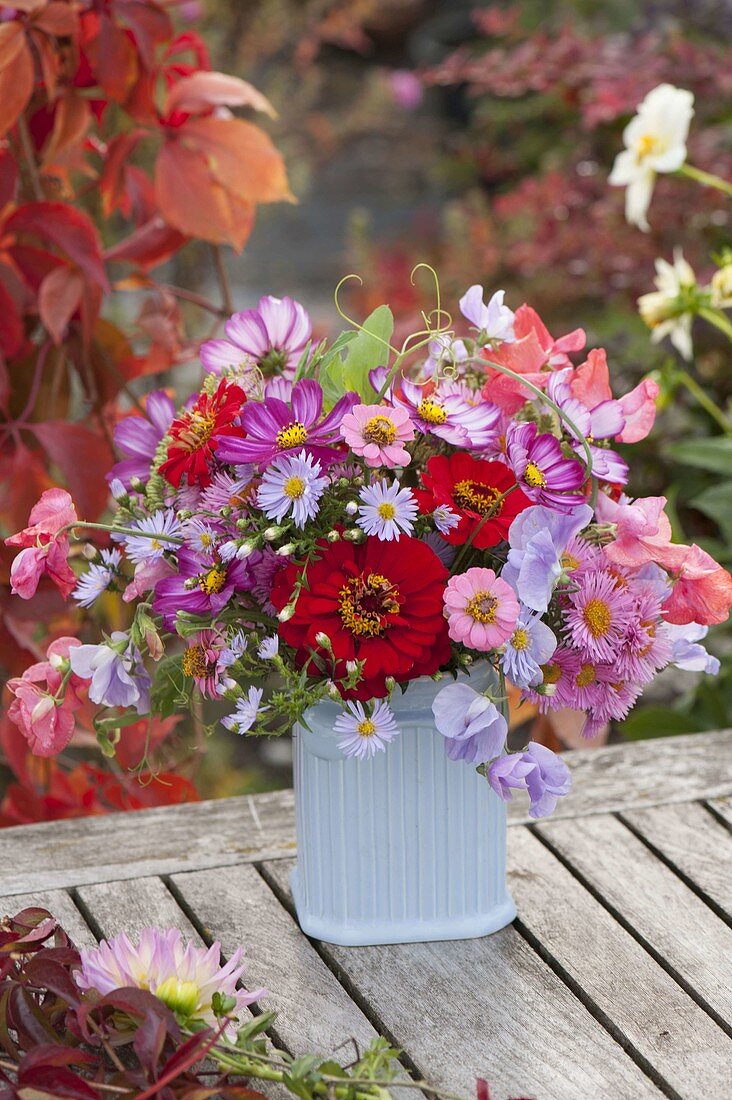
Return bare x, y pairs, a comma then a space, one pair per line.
293, 487
379, 429
213, 581
586, 676
429, 410
364, 603
482, 607
477, 497
366, 728
292, 435
520, 639
533, 476
196, 428
598, 617
196, 663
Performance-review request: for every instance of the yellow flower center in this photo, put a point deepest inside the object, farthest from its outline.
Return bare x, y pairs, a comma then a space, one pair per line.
196, 663
533, 476
586, 676
482, 607
379, 429
213, 581
366, 728
598, 617
552, 673
292, 435
646, 145
431, 411
520, 638
365, 603
477, 497
156, 544
569, 561
179, 996
386, 510
206, 540
294, 487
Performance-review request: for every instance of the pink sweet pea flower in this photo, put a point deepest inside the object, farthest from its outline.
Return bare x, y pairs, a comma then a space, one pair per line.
42, 551
46, 722
643, 530
702, 591
639, 410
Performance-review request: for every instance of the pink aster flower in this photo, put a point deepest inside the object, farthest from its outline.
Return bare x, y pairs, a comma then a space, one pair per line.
542, 470
378, 433
182, 975
481, 609
598, 615
272, 337
44, 552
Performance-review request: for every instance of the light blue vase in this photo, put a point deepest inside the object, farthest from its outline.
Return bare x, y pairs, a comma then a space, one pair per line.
405, 847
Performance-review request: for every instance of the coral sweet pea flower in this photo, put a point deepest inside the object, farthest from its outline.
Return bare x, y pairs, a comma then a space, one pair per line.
43, 551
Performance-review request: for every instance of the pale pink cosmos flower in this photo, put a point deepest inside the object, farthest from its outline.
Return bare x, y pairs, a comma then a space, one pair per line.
481, 609
43, 551
378, 433
184, 976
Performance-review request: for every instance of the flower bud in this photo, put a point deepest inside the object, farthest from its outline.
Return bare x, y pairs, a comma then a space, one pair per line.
184, 514
324, 641
390, 684
333, 536
118, 491
334, 693
722, 287
286, 550
272, 533
351, 508
42, 708
351, 667
245, 550
286, 613
89, 551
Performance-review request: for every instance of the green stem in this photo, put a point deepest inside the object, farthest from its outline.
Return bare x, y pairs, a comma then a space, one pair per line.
707, 179
718, 319
704, 400
121, 531
479, 526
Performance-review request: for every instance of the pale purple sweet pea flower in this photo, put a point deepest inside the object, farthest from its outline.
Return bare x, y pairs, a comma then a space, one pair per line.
473, 727
604, 421
137, 438
274, 427
548, 780
508, 774
686, 652
494, 321
444, 354
118, 677
538, 538
529, 647
272, 337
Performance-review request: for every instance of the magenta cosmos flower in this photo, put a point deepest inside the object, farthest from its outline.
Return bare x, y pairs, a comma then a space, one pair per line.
481, 609
542, 470
446, 411
272, 337
202, 586
182, 975
137, 438
378, 434
273, 427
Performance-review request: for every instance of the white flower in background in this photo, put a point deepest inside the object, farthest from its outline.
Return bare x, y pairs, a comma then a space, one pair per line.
494, 321
669, 310
721, 287
655, 141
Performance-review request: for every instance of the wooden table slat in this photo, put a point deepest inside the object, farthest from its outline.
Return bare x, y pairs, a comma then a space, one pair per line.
486, 1007
645, 1005
670, 919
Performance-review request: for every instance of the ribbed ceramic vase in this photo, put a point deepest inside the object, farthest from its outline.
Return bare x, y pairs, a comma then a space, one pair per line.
404, 847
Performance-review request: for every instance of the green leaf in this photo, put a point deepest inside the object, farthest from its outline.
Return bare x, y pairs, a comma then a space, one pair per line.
659, 722
708, 454
365, 350
716, 502
171, 688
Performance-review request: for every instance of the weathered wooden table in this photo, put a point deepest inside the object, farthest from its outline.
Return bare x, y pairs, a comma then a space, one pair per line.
615, 983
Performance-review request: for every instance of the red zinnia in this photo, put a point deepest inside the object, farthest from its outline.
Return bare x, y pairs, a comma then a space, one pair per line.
195, 433
379, 602
472, 487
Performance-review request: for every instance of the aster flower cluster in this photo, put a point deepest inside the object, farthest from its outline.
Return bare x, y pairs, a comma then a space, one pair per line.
337, 520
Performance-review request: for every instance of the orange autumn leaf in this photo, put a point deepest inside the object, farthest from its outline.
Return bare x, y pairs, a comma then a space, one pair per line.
16, 74
197, 93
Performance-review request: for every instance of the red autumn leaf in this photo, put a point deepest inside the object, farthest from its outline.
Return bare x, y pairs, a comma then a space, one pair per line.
68, 229
12, 332
8, 177
239, 156
58, 19
59, 297
199, 92
16, 74
82, 455
114, 57
113, 182
70, 125
149, 23
152, 244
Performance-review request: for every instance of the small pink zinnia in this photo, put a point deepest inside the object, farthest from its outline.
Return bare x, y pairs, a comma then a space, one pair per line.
378, 433
481, 609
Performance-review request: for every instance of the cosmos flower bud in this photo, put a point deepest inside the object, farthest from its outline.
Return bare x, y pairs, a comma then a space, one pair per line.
286, 613
351, 508
272, 533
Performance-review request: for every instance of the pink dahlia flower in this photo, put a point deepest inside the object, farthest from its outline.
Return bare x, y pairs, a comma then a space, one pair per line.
481, 609
184, 976
378, 433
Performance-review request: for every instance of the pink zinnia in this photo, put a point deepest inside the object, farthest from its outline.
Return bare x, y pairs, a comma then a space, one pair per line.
599, 614
481, 609
378, 433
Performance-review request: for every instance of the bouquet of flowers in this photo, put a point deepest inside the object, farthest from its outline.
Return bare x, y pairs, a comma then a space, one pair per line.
335, 520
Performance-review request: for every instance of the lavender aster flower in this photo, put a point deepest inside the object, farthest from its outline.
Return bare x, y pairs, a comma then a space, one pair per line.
387, 510
272, 337
473, 727
159, 528
97, 578
686, 653
445, 519
182, 975
530, 646
548, 779
247, 711
292, 485
273, 427
118, 677
508, 774
269, 648
493, 321
137, 438
362, 734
